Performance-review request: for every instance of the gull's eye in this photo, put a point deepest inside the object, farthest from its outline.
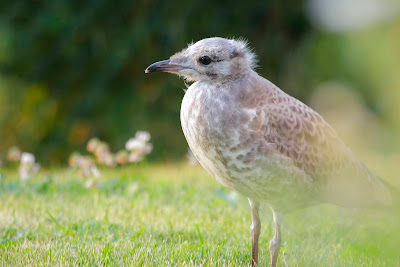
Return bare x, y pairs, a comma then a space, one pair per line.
205, 60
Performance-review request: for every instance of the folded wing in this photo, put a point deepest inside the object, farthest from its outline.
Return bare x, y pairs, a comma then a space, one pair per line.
301, 134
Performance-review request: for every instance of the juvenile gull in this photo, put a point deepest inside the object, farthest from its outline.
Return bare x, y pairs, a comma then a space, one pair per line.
262, 143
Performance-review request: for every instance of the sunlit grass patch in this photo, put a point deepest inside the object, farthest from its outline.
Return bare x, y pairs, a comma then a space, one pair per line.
172, 215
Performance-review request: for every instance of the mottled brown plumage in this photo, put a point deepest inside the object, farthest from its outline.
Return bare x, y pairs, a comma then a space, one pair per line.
262, 143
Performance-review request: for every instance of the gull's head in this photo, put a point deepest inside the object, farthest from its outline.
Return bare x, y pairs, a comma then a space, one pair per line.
210, 59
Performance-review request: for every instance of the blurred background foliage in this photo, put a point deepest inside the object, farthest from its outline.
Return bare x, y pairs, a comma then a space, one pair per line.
70, 70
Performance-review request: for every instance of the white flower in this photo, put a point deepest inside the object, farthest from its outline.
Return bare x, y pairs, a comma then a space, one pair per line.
139, 146
84, 172
28, 167
109, 159
14, 154
87, 167
75, 159
135, 144
92, 144
142, 136
95, 171
27, 158
122, 157
135, 157
85, 162
91, 183
101, 149
148, 148
28, 170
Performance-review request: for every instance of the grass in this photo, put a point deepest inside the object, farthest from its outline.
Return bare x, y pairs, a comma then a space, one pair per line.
173, 215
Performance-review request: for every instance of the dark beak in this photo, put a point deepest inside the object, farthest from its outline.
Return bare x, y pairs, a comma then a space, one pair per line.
164, 66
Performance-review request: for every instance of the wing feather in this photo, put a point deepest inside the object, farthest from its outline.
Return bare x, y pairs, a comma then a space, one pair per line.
301, 134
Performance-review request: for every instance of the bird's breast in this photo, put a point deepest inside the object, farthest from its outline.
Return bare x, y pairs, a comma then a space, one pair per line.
217, 131
228, 139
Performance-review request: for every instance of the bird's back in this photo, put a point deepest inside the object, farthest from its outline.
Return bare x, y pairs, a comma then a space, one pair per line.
301, 134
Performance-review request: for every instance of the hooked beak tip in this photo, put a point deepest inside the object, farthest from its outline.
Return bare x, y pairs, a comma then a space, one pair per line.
158, 66
163, 66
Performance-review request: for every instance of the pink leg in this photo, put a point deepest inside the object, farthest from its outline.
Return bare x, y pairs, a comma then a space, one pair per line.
255, 231
275, 243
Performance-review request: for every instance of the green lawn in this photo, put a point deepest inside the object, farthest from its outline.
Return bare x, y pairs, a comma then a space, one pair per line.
173, 215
